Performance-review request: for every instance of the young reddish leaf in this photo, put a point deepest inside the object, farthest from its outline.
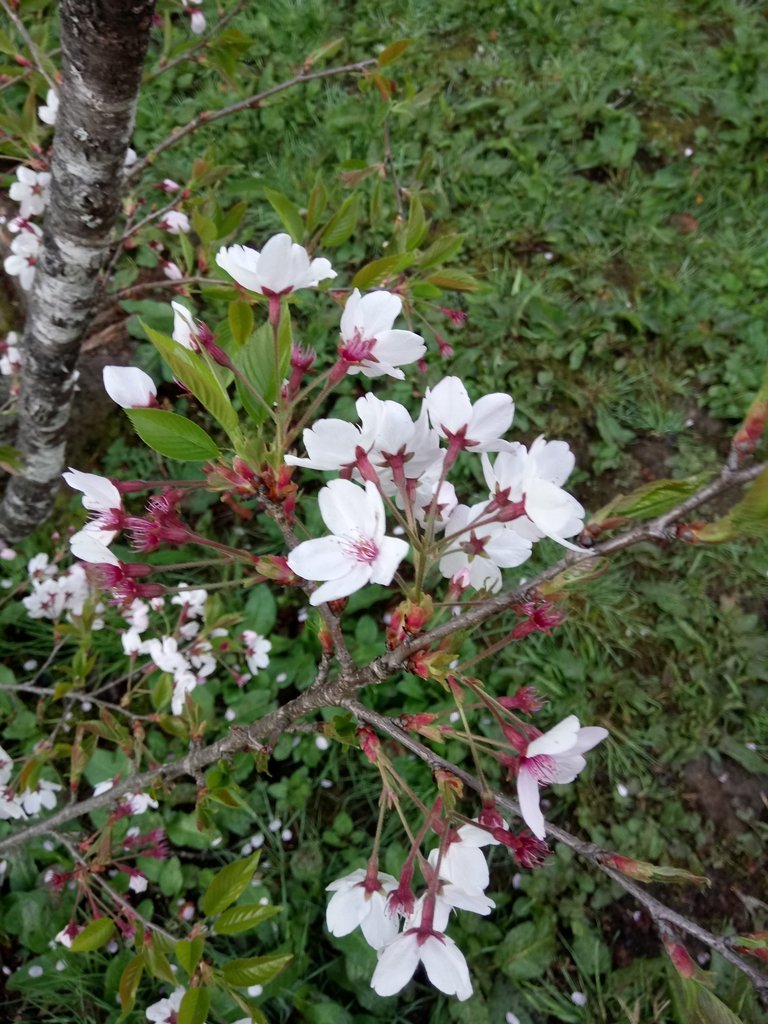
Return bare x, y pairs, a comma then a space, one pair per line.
390, 53
128, 985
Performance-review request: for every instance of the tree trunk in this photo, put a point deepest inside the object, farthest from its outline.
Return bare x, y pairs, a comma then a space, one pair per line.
103, 45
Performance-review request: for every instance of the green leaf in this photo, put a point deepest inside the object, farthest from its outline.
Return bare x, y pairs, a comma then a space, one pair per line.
288, 213
173, 436
343, 223
240, 316
194, 1006
379, 270
317, 204
256, 362
229, 884
417, 225
198, 377
157, 962
527, 950
129, 983
95, 934
390, 53
441, 250
240, 919
231, 220
189, 953
696, 1004
254, 970
652, 499
748, 518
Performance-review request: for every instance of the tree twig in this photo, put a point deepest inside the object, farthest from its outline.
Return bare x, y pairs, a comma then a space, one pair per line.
251, 102
203, 42
29, 42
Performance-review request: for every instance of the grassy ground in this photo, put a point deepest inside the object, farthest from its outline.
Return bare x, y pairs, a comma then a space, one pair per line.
606, 164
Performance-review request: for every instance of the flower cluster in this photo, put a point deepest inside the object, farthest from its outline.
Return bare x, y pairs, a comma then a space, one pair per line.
55, 594
29, 801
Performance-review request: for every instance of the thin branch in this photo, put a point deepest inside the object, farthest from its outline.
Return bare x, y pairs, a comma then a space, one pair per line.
163, 283
251, 102
31, 45
657, 910
116, 897
654, 530
203, 42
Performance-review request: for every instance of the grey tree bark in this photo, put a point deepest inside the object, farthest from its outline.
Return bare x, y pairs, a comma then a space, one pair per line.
103, 46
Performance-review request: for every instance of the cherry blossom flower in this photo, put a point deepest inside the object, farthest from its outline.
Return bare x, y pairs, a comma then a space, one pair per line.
358, 552
129, 386
360, 900
30, 191
196, 18
10, 356
184, 327
43, 796
171, 270
166, 1011
102, 497
279, 268
554, 757
369, 345
47, 113
175, 222
10, 806
481, 549
442, 959
257, 651
23, 258
477, 427
533, 480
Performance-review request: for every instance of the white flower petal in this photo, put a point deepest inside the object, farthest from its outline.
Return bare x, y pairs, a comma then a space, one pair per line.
528, 798
560, 738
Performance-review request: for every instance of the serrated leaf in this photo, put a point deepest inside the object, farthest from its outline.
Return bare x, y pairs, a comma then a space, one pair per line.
194, 1006
254, 970
240, 316
748, 518
240, 919
390, 53
129, 983
203, 226
696, 1004
527, 950
95, 934
229, 884
288, 213
188, 953
256, 362
195, 374
379, 270
652, 499
232, 218
343, 223
172, 435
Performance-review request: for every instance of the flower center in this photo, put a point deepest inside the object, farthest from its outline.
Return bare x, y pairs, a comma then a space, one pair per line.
357, 348
362, 549
541, 767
